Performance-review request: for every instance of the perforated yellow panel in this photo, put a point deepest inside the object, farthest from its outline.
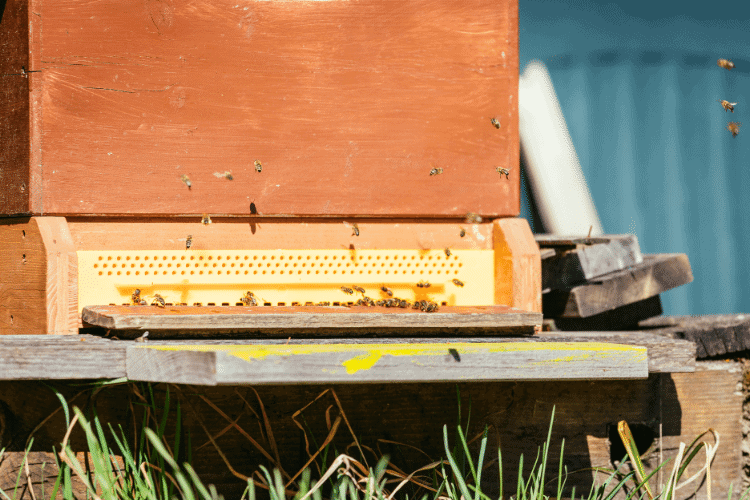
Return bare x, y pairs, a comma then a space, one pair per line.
284, 277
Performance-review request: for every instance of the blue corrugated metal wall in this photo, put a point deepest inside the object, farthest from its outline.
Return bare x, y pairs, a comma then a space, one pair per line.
639, 94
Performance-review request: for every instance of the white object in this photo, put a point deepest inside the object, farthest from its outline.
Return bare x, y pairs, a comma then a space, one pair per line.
552, 167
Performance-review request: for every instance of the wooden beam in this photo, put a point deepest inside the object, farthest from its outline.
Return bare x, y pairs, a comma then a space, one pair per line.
518, 268
714, 335
585, 260
405, 361
656, 274
315, 320
623, 318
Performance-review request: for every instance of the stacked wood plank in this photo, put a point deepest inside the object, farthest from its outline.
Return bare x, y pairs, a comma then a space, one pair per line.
605, 283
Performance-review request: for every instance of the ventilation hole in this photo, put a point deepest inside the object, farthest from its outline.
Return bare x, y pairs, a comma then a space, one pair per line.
337, 303
225, 304
100, 273
211, 304
309, 303
294, 304
168, 304
281, 304
197, 304
443, 303
239, 304
267, 304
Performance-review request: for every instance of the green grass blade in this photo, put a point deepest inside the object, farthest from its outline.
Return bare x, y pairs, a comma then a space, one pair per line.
454, 466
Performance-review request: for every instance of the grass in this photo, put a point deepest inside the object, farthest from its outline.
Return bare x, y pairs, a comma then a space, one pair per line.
155, 467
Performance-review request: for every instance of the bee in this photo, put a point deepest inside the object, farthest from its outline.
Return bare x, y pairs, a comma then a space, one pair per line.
249, 299
454, 353
436, 171
355, 230
136, 297
386, 290
347, 291
258, 166
734, 128
728, 106
462, 233
253, 208
359, 289
495, 122
503, 171
423, 284
158, 301
725, 63
472, 218
427, 306
458, 282
206, 219
143, 338
380, 302
188, 241
403, 304
227, 175
186, 180
447, 252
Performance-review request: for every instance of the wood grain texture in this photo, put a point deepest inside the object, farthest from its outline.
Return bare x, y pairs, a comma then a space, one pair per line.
624, 317
379, 362
15, 146
714, 335
62, 276
518, 272
572, 267
348, 105
318, 321
657, 273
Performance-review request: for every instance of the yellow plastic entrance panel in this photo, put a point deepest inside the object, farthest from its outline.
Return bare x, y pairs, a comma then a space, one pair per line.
284, 277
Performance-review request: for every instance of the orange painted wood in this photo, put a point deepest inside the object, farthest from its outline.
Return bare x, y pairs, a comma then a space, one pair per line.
518, 265
348, 105
38, 277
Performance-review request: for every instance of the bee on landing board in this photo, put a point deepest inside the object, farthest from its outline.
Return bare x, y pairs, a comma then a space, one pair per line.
495, 122
725, 63
386, 290
728, 106
423, 284
188, 241
503, 171
447, 252
249, 299
258, 166
355, 230
734, 128
206, 219
347, 291
136, 297
458, 282
436, 171
158, 301
359, 289
186, 180
462, 233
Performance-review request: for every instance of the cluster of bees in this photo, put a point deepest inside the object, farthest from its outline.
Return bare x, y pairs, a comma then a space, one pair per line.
733, 127
157, 301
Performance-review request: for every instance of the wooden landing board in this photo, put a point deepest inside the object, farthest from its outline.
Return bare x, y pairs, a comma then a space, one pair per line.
314, 320
656, 274
578, 262
714, 335
400, 361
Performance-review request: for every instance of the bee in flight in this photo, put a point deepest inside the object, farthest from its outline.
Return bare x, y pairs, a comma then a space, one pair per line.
458, 282
258, 166
472, 218
227, 175
728, 106
359, 289
454, 353
386, 290
347, 291
725, 63
447, 252
423, 284
188, 241
158, 301
206, 219
436, 171
503, 171
186, 180
734, 128
462, 233
495, 122
355, 230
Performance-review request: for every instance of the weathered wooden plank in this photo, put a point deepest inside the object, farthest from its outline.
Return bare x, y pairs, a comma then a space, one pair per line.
715, 335
517, 265
657, 273
381, 362
31, 357
571, 267
317, 320
623, 318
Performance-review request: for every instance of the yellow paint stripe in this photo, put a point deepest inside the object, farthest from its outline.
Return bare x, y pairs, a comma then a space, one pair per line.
367, 355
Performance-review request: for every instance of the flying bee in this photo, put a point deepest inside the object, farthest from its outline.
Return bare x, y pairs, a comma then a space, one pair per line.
462, 233
728, 106
503, 171
423, 284
458, 282
258, 166
472, 218
249, 299
206, 219
188, 241
436, 171
136, 297
359, 289
227, 175
158, 301
454, 353
186, 180
734, 128
447, 252
347, 291
495, 122
725, 63
355, 230
386, 290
